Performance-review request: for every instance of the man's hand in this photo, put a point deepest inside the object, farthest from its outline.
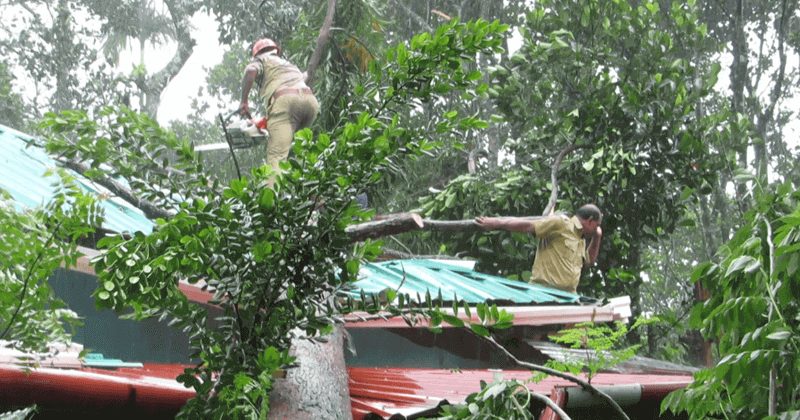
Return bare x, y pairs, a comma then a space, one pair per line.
244, 109
485, 223
594, 246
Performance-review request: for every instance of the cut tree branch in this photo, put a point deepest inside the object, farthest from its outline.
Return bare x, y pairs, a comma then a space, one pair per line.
385, 225
322, 40
398, 223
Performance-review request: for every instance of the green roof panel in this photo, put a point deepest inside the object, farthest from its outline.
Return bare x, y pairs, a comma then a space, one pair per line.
421, 276
22, 174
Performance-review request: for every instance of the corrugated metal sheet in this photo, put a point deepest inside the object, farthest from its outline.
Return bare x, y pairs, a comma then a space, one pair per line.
617, 309
636, 364
22, 174
428, 276
391, 391
149, 392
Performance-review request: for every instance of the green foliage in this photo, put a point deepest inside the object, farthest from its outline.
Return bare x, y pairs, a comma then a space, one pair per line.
90, 36
159, 167
274, 257
626, 101
602, 347
249, 396
12, 109
35, 243
501, 399
752, 316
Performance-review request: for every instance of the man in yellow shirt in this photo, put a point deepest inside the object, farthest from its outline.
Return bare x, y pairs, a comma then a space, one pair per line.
562, 250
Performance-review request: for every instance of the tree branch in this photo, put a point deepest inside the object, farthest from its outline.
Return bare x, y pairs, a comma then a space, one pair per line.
156, 83
322, 40
151, 210
550, 403
422, 23
552, 372
399, 223
393, 224
31, 270
551, 204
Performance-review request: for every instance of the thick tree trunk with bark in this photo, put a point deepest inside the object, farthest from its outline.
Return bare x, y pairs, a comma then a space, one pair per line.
318, 388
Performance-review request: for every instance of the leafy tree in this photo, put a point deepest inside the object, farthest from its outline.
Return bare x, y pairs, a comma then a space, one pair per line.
56, 45
12, 110
751, 115
274, 257
622, 104
602, 344
752, 315
35, 243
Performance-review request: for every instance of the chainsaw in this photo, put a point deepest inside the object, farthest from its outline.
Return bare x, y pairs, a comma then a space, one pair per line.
242, 134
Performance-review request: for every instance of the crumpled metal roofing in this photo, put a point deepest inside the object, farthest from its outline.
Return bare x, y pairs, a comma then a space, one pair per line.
418, 276
634, 365
22, 174
408, 393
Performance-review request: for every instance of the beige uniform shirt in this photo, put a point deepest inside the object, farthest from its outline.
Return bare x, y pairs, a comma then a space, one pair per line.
275, 73
560, 254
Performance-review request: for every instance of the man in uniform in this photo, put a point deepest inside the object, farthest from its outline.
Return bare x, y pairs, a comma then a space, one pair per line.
562, 250
290, 104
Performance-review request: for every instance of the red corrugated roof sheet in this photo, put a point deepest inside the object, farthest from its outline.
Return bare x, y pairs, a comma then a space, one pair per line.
152, 390
388, 391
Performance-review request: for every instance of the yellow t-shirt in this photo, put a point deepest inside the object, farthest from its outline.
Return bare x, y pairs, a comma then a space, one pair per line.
560, 254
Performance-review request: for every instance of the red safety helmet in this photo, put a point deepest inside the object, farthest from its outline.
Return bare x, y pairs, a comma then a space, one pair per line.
263, 44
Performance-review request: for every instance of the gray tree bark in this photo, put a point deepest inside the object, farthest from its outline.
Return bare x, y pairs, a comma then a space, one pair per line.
318, 388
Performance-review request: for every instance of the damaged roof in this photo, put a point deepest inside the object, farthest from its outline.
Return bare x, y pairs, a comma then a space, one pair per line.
23, 170
416, 277
409, 393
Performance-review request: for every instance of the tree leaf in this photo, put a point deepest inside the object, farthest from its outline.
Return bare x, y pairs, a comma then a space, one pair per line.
739, 264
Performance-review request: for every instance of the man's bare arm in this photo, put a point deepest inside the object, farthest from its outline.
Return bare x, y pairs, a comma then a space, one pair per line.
250, 73
511, 224
594, 247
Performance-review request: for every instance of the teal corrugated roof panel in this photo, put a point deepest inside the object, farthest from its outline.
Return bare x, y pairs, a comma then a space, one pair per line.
418, 276
22, 174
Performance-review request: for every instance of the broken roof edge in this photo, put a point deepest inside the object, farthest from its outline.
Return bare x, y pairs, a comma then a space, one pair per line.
635, 365
386, 392
422, 277
617, 309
